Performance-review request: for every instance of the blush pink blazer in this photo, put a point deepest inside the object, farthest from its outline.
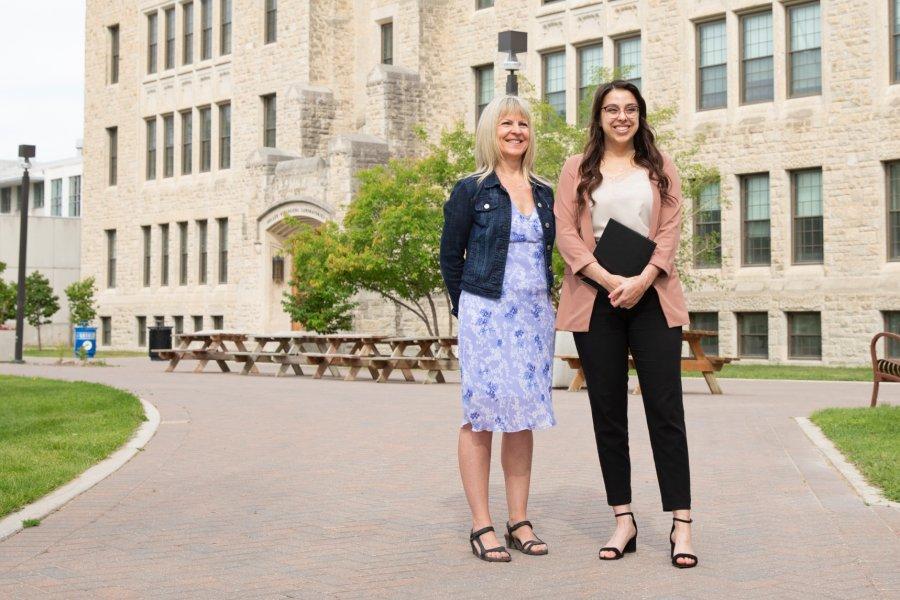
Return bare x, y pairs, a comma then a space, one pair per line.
576, 299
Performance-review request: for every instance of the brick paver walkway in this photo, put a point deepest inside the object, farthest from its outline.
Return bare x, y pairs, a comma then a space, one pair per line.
257, 487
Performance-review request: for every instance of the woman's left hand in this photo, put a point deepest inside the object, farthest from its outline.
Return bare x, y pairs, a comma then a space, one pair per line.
629, 292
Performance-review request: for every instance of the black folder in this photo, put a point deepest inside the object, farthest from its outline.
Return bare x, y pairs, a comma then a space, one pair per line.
621, 251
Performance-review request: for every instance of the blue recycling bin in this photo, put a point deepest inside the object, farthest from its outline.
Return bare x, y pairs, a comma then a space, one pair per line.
86, 338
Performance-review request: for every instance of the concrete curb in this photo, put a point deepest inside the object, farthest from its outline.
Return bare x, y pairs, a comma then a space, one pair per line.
870, 494
12, 524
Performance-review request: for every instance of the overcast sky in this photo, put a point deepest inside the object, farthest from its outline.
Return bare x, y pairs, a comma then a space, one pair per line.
41, 76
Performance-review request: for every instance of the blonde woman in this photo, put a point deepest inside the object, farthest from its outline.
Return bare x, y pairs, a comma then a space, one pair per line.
495, 259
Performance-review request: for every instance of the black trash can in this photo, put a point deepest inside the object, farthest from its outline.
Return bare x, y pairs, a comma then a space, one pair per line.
160, 339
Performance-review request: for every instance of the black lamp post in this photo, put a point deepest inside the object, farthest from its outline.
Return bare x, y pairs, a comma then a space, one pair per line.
512, 42
25, 153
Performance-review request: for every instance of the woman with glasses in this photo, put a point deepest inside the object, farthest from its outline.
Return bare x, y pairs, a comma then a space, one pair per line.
622, 175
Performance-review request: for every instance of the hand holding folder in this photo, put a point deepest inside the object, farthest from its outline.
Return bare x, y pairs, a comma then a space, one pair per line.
621, 251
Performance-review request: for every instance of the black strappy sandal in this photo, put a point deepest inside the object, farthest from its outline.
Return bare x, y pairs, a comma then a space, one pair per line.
524, 547
482, 552
675, 557
630, 546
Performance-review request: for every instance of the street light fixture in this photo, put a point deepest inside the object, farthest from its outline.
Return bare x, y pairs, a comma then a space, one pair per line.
512, 42
25, 153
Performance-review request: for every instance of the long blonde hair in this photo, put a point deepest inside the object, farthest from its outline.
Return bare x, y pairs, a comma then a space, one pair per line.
487, 150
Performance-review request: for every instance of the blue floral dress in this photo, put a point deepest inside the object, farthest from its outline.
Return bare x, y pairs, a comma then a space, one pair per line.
506, 345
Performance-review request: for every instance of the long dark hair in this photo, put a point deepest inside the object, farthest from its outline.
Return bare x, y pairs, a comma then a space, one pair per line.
646, 154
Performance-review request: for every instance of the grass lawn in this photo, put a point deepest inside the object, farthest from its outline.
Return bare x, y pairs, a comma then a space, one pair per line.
50, 431
66, 352
815, 373
870, 439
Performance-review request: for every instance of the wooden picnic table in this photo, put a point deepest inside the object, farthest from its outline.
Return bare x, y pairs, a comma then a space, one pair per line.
289, 353
697, 362
435, 353
213, 347
362, 353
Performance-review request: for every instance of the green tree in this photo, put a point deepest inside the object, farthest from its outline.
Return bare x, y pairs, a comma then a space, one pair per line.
82, 307
40, 302
7, 298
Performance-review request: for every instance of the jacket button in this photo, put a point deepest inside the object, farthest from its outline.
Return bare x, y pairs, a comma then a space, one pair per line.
486, 205
540, 205
548, 246
547, 225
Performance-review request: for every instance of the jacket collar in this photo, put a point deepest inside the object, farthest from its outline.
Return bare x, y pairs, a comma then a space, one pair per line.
493, 181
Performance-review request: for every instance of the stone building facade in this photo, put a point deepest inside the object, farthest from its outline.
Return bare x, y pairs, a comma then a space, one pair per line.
741, 73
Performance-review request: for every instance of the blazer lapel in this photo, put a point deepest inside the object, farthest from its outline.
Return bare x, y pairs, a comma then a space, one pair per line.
657, 205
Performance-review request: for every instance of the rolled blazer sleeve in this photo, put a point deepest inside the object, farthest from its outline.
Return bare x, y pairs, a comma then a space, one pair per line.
454, 240
572, 248
669, 233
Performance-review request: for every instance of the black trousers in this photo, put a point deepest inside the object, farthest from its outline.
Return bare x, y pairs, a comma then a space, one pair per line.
656, 349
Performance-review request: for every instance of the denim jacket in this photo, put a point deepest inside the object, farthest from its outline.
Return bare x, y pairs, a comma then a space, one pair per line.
475, 238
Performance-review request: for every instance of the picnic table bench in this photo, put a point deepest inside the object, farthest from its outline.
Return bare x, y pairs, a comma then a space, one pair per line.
697, 362
213, 347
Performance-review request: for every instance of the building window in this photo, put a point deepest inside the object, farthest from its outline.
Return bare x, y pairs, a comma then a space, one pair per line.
206, 25
112, 143
187, 39
806, 204
106, 331
753, 335
6, 200
151, 148
895, 41
55, 198
182, 253
198, 322
805, 335
223, 250
75, 196
168, 145
110, 258
225, 27
202, 251
145, 267
37, 192
805, 50
178, 321
278, 269
707, 321
484, 88
892, 324
484, 4
712, 61
757, 68
170, 38
387, 43
218, 322
893, 223
628, 59
555, 81
708, 227
590, 63
225, 135
756, 224
114, 53
269, 115
187, 147
159, 321
142, 331
152, 34
164, 254
271, 21
205, 138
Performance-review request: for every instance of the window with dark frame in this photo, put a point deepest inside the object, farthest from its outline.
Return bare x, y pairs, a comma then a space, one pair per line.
707, 321
590, 63
892, 324
55, 197
114, 53
555, 81
753, 335
712, 64
628, 59
75, 196
278, 269
893, 209
484, 4
198, 322
269, 120
142, 331
806, 209
168, 145
112, 145
106, 331
187, 140
169, 52
202, 256
757, 66
387, 43
223, 249
805, 335
756, 225
707, 240
159, 320
206, 26
225, 135
187, 39
145, 267
152, 41
151, 148
37, 194
164, 254
484, 88
804, 50
110, 258
178, 323
182, 253
218, 322
271, 21
205, 138
225, 27
6, 200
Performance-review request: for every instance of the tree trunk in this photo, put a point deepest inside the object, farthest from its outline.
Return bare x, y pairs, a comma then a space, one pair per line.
39, 336
434, 316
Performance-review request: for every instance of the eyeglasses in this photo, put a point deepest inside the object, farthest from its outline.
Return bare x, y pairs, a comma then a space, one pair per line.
613, 111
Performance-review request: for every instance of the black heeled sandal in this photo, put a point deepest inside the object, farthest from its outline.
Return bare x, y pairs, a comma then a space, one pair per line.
482, 552
630, 546
524, 547
675, 557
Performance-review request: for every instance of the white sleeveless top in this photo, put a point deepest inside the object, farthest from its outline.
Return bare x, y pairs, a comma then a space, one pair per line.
627, 199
